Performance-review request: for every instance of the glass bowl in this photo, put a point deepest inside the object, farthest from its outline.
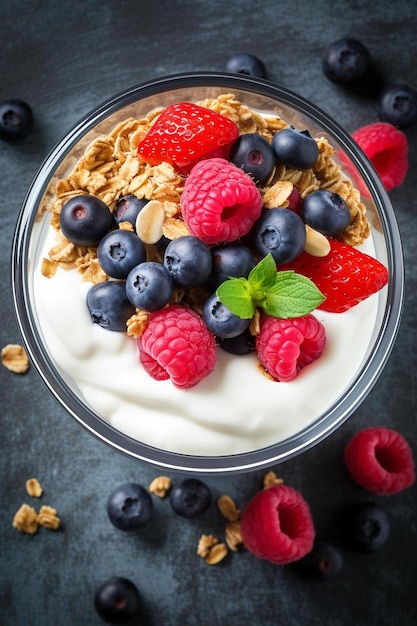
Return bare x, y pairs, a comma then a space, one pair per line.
257, 452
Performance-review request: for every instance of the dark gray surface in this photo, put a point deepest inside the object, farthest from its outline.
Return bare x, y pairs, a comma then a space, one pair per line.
64, 58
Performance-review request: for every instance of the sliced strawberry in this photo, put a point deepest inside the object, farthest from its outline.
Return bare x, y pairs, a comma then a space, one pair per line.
346, 276
184, 134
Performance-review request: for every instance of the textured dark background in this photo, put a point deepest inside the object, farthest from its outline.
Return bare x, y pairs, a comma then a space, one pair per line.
64, 58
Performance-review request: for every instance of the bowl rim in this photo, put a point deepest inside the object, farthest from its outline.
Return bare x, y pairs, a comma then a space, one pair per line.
197, 464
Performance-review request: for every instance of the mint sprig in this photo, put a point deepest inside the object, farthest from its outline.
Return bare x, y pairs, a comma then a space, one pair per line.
280, 294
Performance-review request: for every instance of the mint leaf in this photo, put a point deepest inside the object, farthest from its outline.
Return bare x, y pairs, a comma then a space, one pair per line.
280, 294
292, 295
235, 293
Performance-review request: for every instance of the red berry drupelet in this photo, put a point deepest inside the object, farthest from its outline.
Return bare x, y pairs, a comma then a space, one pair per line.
220, 203
380, 460
277, 525
177, 345
286, 346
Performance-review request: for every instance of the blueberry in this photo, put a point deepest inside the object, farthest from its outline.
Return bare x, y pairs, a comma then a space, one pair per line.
326, 212
398, 105
129, 506
149, 286
280, 232
366, 526
230, 260
16, 120
345, 61
220, 320
188, 260
119, 252
85, 220
108, 305
295, 148
246, 63
239, 345
254, 155
127, 209
190, 498
324, 561
117, 600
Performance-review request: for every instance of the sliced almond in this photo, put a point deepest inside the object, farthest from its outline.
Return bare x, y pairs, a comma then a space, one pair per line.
316, 243
149, 222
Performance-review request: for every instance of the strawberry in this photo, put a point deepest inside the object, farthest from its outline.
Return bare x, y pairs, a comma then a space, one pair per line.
346, 276
184, 134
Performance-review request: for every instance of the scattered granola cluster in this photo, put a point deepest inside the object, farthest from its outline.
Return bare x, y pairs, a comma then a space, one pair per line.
27, 520
14, 357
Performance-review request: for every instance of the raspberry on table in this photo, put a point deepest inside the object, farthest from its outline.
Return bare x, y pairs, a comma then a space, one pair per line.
276, 525
220, 203
286, 346
380, 460
387, 148
177, 345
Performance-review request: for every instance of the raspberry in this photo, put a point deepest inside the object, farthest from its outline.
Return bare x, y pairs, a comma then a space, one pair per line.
380, 460
285, 346
387, 148
177, 345
277, 526
220, 203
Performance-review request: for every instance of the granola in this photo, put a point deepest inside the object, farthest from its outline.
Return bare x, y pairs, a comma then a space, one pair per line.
14, 357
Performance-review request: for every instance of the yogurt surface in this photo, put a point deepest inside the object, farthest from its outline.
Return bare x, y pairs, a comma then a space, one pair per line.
234, 410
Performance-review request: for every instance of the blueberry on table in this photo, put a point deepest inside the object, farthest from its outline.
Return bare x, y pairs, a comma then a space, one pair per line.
188, 260
117, 600
366, 526
280, 232
129, 506
190, 498
85, 219
254, 155
295, 148
246, 63
149, 286
346, 61
326, 212
109, 306
398, 105
230, 259
119, 252
324, 561
128, 208
16, 120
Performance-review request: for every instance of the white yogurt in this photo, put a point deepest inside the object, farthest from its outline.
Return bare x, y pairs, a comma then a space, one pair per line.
234, 410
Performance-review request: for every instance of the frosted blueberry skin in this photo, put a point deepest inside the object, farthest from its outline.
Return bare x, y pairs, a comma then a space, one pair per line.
326, 212
109, 306
346, 61
188, 260
280, 232
190, 498
366, 527
230, 260
117, 600
245, 343
129, 506
221, 321
128, 208
254, 155
246, 63
295, 148
16, 120
398, 105
85, 219
119, 252
149, 286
